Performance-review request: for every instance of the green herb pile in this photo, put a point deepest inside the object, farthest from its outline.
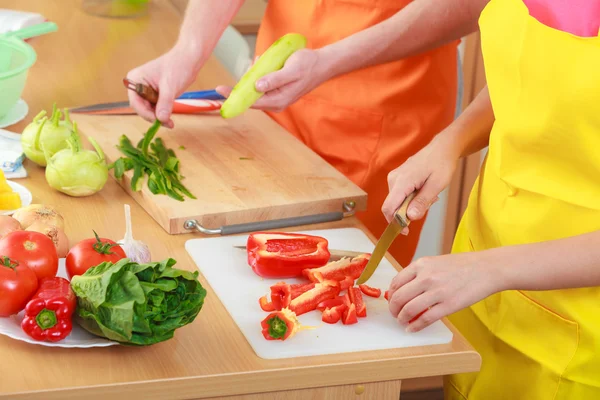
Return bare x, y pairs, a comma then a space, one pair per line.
151, 157
138, 304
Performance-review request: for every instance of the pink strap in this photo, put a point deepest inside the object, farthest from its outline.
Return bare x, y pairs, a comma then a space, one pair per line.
578, 17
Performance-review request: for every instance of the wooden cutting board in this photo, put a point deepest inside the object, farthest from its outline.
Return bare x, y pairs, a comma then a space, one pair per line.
242, 170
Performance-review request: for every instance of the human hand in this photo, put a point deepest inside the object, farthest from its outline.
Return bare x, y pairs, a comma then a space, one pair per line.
301, 73
431, 288
169, 74
428, 172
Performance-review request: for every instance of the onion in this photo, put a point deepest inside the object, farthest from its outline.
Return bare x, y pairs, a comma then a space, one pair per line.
8, 225
33, 213
57, 235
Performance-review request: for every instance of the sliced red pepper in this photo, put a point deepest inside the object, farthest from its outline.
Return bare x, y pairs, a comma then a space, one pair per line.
265, 304
334, 314
338, 301
281, 295
387, 295
417, 317
357, 299
285, 255
280, 325
347, 282
340, 269
299, 288
308, 301
346, 300
370, 291
349, 316
48, 314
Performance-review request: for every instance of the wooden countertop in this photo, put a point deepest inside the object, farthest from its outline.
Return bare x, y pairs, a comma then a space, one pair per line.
83, 63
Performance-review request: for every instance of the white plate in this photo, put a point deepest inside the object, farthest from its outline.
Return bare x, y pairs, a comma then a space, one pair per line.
15, 114
78, 337
24, 193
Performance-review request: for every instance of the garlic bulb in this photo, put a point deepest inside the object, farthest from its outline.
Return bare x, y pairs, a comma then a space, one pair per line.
136, 250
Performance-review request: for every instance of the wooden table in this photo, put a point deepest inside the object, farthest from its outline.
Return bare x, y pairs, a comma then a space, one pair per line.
81, 64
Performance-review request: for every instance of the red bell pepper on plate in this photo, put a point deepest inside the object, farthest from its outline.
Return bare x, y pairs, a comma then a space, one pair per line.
48, 313
339, 270
308, 301
280, 325
285, 255
334, 314
370, 291
357, 299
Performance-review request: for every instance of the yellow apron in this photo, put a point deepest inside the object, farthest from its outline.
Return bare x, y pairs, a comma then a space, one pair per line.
540, 181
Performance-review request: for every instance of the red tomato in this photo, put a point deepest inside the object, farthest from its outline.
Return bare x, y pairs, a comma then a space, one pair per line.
18, 284
92, 252
33, 250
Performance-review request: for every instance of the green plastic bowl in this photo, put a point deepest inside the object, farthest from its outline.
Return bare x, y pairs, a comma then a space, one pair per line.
16, 57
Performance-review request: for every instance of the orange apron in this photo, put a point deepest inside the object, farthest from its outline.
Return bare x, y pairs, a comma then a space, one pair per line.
368, 122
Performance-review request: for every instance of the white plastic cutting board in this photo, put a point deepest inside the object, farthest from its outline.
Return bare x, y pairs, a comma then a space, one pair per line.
239, 288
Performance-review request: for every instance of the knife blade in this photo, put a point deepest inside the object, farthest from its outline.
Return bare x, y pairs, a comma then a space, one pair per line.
396, 225
335, 255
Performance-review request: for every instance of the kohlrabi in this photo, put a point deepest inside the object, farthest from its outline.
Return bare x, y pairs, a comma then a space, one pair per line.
46, 136
75, 171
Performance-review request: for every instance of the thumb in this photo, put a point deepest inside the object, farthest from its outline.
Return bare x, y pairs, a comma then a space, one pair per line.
164, 106
424, 199
275, 80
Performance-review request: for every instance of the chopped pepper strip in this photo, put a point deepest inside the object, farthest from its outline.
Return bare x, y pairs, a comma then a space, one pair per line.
265, 304
417, 317
337, 301
340, 269
349, 316
308, 301
280, 325
299, 288
347, 282
370, 291
281, 295
357, 299
386, 295
48, 313
285, 255
334, 314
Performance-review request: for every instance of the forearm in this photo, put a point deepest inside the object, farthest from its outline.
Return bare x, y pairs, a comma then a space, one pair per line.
470, 132
420, 26
203, 24
572, 262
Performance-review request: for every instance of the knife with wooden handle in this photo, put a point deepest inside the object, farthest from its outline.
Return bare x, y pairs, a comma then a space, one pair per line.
335, 255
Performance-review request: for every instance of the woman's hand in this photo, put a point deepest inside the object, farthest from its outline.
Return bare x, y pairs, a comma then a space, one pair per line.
441, 286
169, 74
429, 172
303, 71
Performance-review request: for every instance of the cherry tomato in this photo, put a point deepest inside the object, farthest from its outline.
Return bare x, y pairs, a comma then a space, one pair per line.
18, 284
92, 252
33, 250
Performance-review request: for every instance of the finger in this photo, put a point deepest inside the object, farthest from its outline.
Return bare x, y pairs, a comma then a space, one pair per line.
430, 316
275, 100
396, 196
276, 80
403, 295
224, 91
417, 306
164, 106
141, 106
425, 197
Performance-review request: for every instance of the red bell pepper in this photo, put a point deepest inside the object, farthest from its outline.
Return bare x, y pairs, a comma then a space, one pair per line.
308, 301
347, 282
334, 314
337, 301
265, 304
357, 299
48, 313
280, 325
417, 316
349, 316
285, 255
340, 269
281, 295
299, 288
370, 291
386, 295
